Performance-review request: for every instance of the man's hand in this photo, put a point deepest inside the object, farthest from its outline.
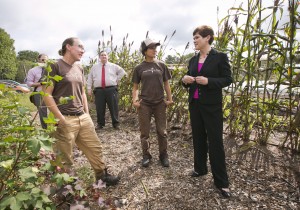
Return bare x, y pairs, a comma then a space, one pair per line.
137, 103
89, 92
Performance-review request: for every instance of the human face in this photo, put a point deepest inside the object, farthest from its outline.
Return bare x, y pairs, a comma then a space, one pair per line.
200, 42
43, 59
103, 57
77, 49
151, 52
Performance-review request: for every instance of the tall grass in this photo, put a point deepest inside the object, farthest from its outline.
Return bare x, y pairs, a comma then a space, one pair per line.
254, 105
261, 49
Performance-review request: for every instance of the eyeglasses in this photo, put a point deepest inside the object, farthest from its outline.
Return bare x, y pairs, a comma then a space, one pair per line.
80, 46
43, 60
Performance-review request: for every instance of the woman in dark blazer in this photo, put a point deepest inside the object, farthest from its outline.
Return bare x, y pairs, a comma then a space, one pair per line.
208, 72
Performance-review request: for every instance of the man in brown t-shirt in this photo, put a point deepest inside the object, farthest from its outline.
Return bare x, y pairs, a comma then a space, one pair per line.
75, 124
152, 75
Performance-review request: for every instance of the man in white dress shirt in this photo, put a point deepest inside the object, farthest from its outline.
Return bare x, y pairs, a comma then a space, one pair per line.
103, 81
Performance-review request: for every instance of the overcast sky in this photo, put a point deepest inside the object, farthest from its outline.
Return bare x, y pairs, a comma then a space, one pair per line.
42, 25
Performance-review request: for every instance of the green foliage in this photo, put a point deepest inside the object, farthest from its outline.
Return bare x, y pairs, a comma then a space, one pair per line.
20, 177
28, 55
179, 59
23, 67
26, 60
28, 179
8, 65
264, 75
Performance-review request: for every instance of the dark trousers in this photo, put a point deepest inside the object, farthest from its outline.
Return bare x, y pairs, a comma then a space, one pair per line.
42, 109
110, 97
145, 112
207, 131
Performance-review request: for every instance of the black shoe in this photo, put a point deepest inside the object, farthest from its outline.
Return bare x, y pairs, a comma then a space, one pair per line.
98, 127
224, 193
117, 127
146, 161
165, 162
196, 174
109, 179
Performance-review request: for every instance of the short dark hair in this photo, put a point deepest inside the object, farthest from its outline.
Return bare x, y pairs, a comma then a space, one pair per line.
204, 31
63, 49
40, 55
102, 51
143, 48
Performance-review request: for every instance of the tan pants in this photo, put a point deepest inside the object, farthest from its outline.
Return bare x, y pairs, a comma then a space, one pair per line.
79, 130
145, 113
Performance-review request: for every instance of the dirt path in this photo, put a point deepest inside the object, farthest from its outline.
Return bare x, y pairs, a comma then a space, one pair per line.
259, 179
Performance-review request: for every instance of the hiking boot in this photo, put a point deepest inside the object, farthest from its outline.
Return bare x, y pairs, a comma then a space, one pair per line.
146, 161
109, 179
165, 162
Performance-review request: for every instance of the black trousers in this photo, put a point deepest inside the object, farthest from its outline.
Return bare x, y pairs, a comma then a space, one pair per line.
42, 109
110, 97
207, 131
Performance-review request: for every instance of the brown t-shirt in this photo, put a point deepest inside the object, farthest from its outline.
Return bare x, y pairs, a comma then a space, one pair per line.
71, 85
152, 76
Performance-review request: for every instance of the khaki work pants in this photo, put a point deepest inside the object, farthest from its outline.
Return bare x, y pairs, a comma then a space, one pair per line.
79, 130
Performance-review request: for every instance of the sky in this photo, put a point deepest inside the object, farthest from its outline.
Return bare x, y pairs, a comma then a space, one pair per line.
42, 25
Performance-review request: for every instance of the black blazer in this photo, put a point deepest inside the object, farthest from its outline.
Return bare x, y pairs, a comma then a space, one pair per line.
217, 69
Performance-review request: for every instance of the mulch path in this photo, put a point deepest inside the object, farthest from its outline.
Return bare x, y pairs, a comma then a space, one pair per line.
260, 177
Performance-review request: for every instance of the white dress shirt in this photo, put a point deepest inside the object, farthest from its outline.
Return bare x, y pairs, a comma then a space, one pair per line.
113, 74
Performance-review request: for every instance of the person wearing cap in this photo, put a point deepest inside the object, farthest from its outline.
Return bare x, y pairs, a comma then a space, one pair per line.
152, 76
208, 72
104, 78
74, 122
33, 79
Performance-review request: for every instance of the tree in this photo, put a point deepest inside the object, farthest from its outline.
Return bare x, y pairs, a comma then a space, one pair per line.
8, 64
26, 60
23, 68
171, 59
28, 55
179, 59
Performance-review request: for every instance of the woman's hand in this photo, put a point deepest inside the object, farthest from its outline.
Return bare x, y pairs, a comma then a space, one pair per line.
168, 103
188, 79
201, 80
